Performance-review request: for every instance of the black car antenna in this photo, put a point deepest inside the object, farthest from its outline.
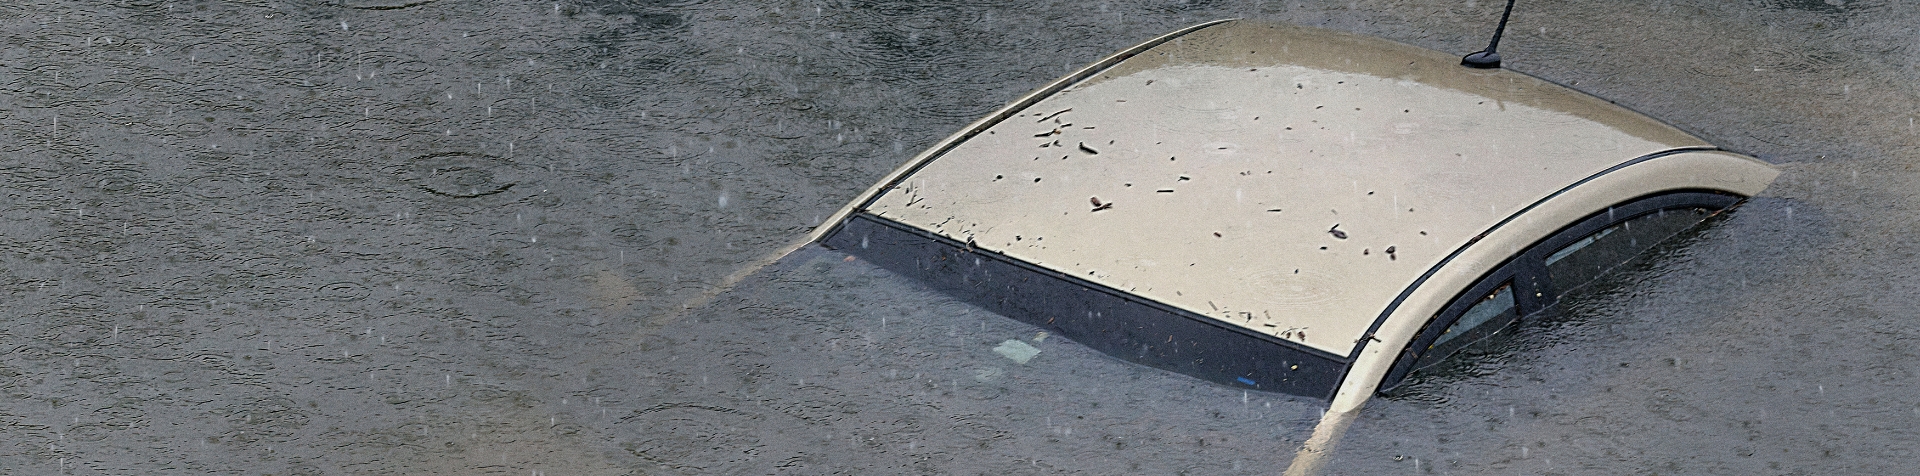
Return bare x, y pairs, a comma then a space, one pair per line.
1488, 58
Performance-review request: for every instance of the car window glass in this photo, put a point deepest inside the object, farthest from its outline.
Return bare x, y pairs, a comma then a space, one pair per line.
1498, 302
1490, 313
1593, 255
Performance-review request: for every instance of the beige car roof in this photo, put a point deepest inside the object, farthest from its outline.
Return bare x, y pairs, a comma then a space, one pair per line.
1286, 180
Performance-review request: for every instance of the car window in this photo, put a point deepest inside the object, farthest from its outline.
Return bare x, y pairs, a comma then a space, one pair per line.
1493, 311
1580, 262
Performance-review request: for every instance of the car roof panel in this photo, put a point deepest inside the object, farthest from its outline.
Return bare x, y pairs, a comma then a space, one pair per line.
1260, 174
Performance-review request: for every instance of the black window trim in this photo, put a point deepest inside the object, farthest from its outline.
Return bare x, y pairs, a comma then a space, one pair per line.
1112, 321
1533, 288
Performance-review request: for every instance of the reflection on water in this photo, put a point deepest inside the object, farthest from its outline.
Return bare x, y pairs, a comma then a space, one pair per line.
368, 236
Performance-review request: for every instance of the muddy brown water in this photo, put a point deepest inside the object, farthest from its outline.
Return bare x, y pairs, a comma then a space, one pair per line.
455, 237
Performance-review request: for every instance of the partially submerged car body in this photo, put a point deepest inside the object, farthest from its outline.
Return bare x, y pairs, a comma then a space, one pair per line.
1276, 207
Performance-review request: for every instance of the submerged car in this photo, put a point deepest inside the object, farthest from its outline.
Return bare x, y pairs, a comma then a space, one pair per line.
1287, 209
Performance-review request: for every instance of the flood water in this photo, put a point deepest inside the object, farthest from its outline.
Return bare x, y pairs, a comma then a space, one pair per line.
486, 237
